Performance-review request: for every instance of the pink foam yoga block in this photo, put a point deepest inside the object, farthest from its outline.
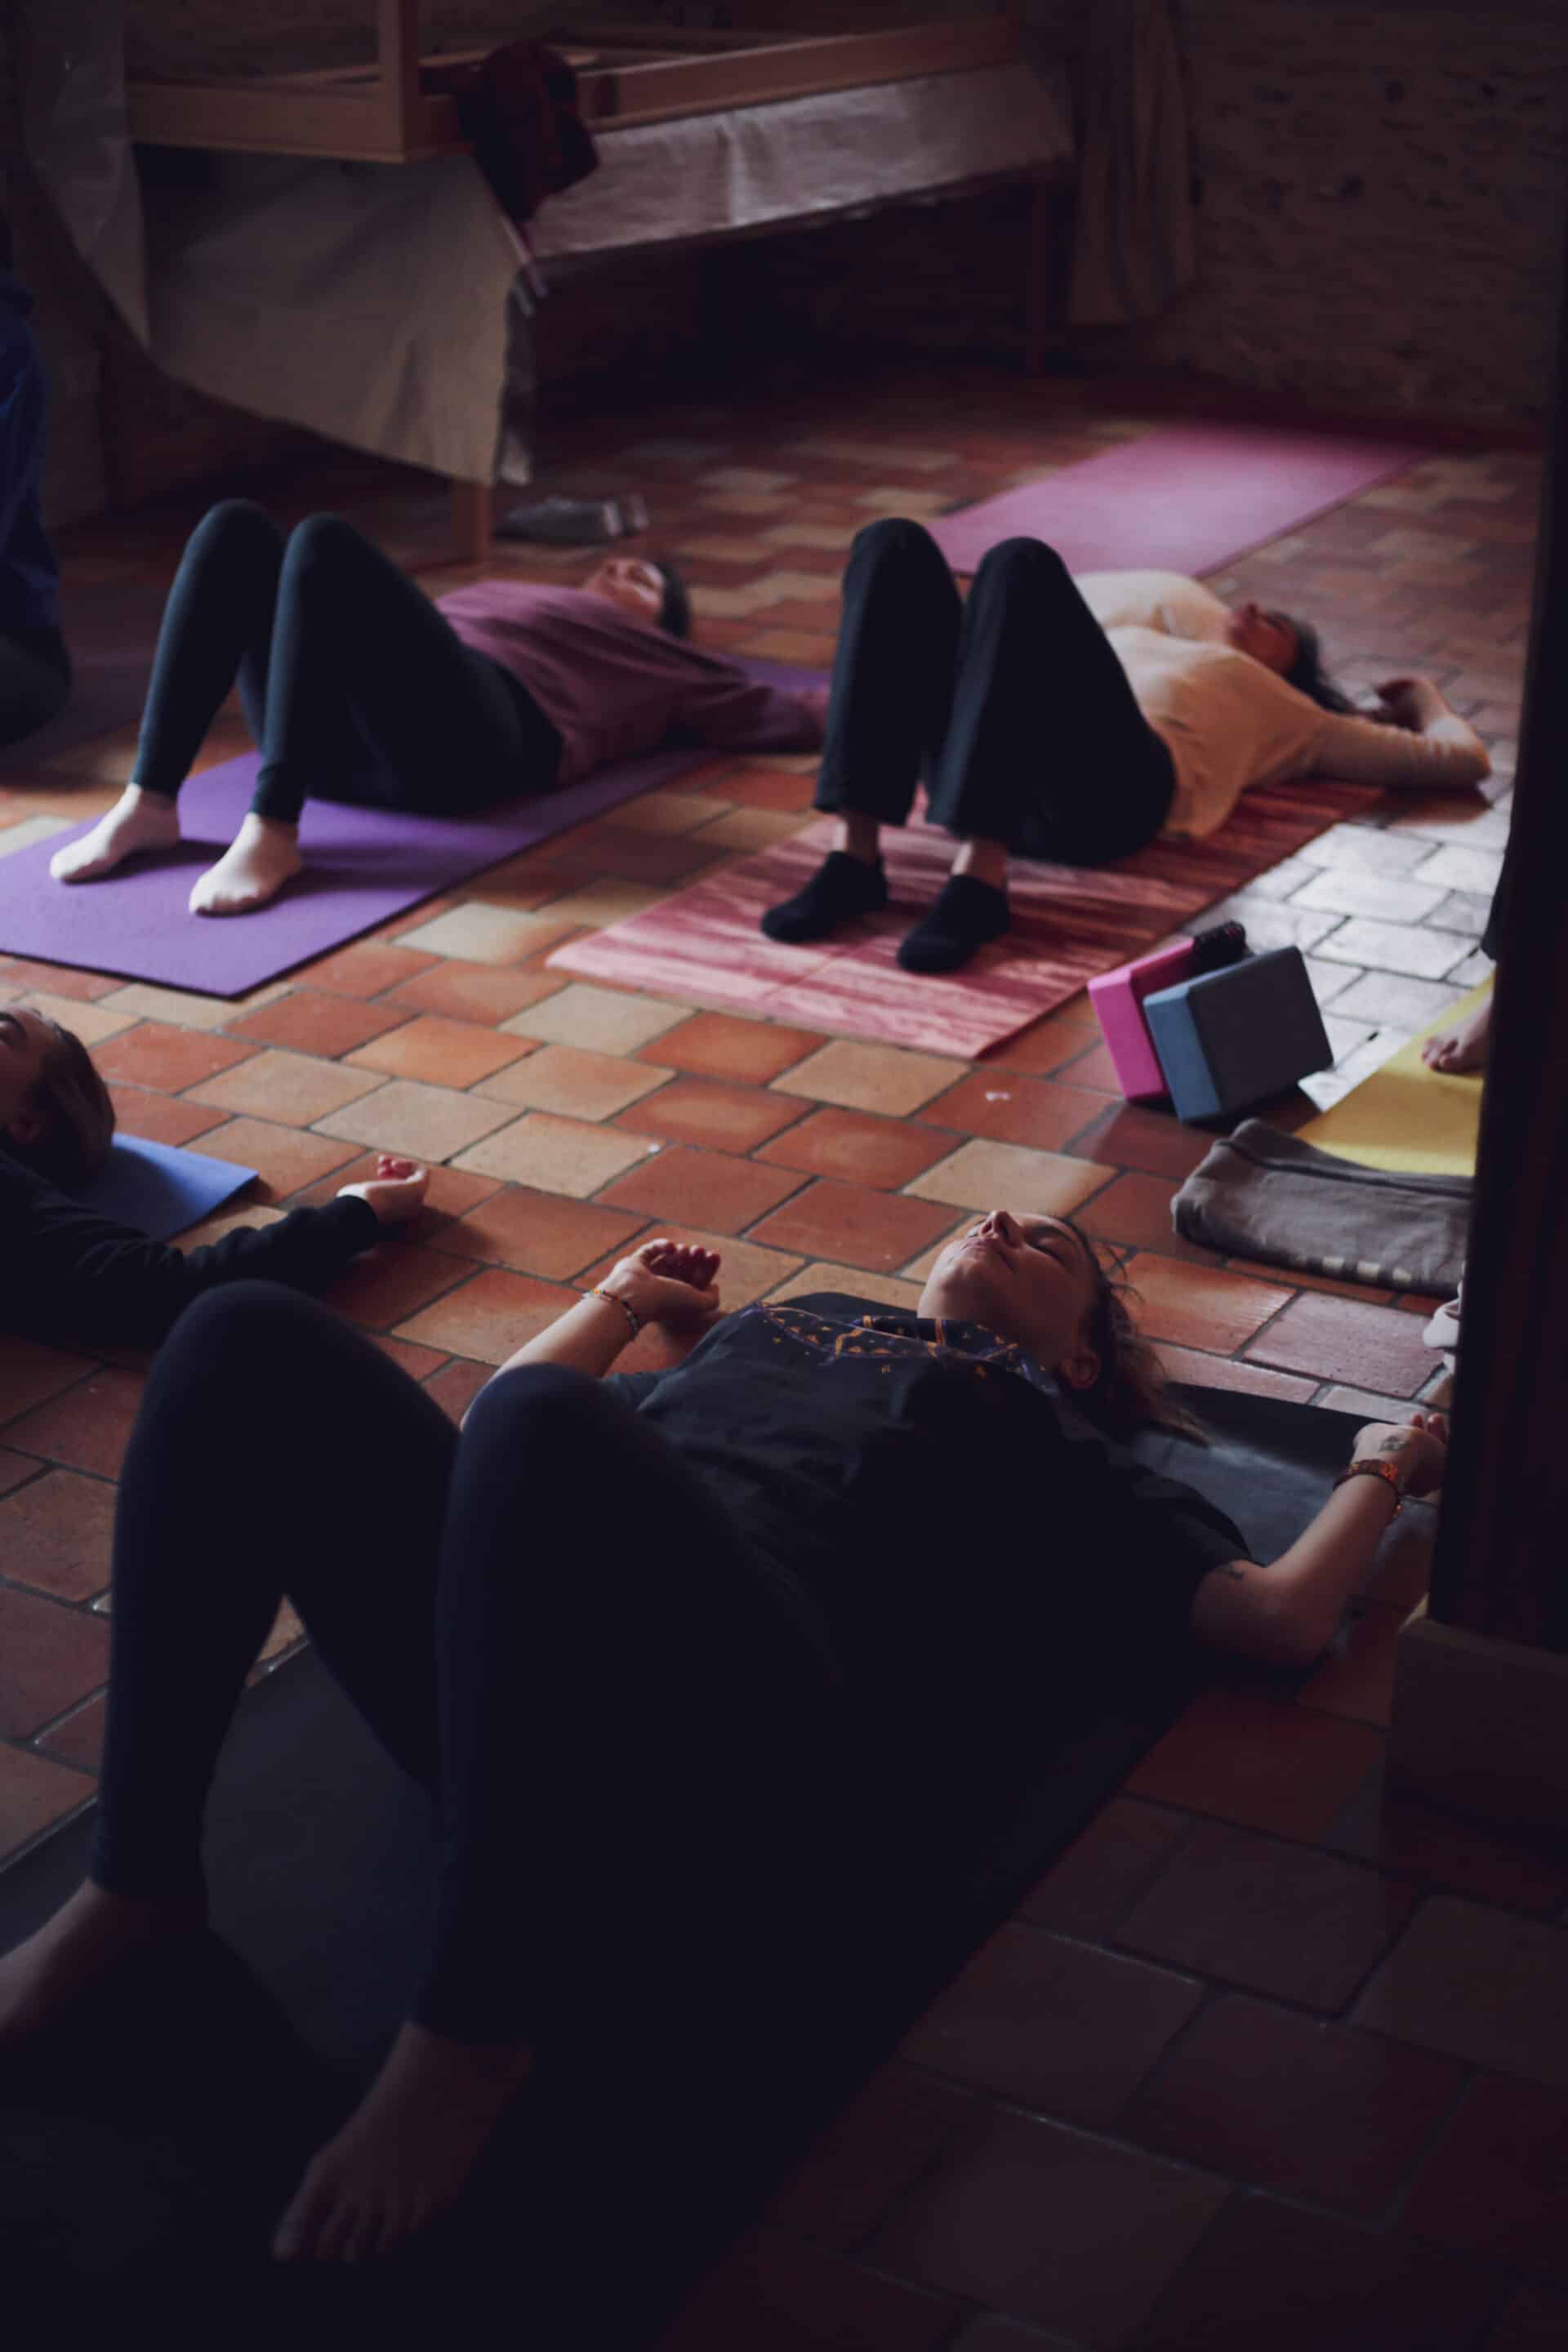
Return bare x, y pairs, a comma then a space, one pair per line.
1118, 1000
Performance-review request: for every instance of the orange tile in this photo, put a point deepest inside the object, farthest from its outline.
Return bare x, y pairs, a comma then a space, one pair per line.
539, 1233
604, 1020
1095, 1069
1091, 1889
34, 1793
284, 1158
871, 2153
450, 1194
1014, 1108
457, 1384
447, 1053
161, 1118
870, 1077
56, 979
1198, 1305
15, 1469
1190, 1364
51, 1657
774, 2294
854, 1225
1482, 1985
1127, 1136
392, 1282
1052, 2024
556, 1155
984, 1175
292, 1088
1246, 1756
1276, 1918
29, 1372
485, 992
152, 1054
308, 1021
86, 1429
77, 1739
415, 1121
1287, 2102
574, 1083
855, 1148
55, 1535
417, 1362
1135, 1210
1343, 1340
489, 1316
365, 969
704, 1111
724, 1194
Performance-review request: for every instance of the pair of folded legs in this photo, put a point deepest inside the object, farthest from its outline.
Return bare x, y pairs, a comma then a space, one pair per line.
629, 1725
352, 683
1013, 708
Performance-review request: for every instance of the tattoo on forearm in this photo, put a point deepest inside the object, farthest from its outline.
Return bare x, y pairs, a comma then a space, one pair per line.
1394, 1443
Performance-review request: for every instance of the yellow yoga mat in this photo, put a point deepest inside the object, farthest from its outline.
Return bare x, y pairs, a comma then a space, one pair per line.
1406, 1117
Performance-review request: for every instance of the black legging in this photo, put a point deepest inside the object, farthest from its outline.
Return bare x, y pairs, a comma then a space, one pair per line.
1012, 705
628, 1722
35, 681
354, 687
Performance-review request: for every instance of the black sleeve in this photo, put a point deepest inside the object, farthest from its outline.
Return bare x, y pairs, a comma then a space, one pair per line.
1154, 1539
71, 1277
633, 1388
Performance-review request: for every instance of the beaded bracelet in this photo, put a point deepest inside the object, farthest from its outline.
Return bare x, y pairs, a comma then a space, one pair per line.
1384, 1470
633, 1318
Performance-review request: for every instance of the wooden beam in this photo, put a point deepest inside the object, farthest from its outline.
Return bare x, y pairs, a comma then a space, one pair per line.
397, 59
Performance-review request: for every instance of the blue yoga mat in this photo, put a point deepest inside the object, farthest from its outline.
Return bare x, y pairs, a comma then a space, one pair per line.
160, 1189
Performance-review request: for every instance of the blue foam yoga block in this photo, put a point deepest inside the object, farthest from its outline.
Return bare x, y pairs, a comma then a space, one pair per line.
1237, 1035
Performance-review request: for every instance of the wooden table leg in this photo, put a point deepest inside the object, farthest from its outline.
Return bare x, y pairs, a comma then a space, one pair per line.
471, 521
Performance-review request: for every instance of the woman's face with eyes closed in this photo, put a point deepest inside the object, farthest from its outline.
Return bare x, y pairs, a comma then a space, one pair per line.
1032, 1279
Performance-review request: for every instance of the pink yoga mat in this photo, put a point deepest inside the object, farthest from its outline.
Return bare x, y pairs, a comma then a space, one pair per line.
1188, 498
1070, 923
365, 865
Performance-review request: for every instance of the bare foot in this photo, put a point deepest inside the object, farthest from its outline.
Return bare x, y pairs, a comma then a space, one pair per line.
1457, 1051
263, 856
404, 2154
138, 821
85, 1940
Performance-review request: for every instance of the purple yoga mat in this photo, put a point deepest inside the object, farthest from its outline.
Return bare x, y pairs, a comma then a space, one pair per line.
1189, 498
363, 866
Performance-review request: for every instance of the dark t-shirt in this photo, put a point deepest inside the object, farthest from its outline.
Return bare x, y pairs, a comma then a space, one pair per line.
963, 1531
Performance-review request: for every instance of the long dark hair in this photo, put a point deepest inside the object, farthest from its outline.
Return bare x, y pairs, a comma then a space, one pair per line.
1307, 673
78, 1114
1129, 1392
675, 612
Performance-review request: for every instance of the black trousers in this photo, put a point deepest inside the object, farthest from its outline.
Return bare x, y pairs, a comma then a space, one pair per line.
354, 687
627, 1722
35, 681
1012, 705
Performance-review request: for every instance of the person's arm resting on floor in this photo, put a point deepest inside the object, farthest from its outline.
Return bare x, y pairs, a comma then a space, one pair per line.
69, 1277
1414, 743
1287, 1614
669, 1283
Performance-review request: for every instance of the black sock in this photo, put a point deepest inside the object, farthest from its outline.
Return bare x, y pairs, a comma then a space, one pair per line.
841, 887
965, 918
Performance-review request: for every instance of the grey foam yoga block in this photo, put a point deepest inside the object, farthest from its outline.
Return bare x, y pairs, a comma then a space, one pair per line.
1235, 1037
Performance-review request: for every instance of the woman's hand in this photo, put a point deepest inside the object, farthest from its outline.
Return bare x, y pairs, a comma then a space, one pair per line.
1412, 703
667, 1283
396, 1191
1418, 1450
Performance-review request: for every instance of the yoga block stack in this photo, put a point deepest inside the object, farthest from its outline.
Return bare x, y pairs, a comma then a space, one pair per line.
1237, 1035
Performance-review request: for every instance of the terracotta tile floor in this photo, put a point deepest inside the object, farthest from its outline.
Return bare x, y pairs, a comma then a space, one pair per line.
1264, 2059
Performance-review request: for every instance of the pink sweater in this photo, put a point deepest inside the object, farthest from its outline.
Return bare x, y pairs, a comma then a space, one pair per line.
613, 687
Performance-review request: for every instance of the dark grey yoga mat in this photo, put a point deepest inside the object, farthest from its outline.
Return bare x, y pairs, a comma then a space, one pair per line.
150, 2152
363, 866
1262, 1193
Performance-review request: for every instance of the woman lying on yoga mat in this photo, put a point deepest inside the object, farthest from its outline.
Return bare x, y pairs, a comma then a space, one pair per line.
1071, 722
70, 1276
357, 687
695, 1632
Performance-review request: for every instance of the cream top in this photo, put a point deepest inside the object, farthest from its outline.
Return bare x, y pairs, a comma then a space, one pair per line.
1228, 722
